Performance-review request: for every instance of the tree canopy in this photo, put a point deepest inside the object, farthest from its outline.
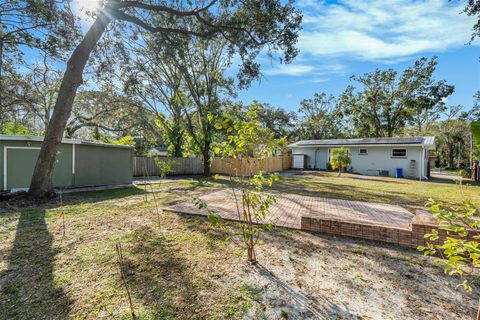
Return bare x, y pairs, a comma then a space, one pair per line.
386, 101
247, 26
473, 9
476, 132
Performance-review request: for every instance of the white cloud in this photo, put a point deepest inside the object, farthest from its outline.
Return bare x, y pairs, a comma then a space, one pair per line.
321, 72
382, 30
290, 70
319, 80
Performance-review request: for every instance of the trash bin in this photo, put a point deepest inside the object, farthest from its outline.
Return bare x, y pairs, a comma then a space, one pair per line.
399, 172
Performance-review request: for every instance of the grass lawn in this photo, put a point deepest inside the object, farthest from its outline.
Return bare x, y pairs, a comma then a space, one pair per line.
410, 194
183, 267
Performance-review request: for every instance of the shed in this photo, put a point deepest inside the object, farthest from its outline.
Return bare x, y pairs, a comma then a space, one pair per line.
299, 161
372, 156
79, 163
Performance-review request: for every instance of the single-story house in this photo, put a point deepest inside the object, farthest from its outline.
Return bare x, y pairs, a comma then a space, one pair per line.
369, 156
79, 163
157, 151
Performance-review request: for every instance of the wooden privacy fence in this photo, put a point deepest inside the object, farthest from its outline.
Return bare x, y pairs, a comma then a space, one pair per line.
247, 166
146, 165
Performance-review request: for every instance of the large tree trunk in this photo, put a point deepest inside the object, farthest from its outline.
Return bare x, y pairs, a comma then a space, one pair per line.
206, 163
41, 183
450, 153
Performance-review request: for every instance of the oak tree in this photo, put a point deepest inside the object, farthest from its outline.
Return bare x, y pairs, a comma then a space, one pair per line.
48, 26
386, 102
319, 118
248, 26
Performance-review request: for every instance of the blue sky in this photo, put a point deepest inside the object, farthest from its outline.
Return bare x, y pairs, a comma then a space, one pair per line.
342, 38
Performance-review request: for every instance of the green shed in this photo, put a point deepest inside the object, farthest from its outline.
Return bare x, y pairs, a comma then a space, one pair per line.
79, 163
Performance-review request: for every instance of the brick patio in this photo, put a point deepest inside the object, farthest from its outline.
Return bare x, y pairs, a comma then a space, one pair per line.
366, 220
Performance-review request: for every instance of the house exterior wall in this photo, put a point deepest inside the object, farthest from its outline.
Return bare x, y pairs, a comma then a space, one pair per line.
377, 158
95, 164
317, 158
322, 158
380, 158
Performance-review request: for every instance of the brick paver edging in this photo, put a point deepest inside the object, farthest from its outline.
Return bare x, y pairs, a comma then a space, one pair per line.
364, 220
411, 238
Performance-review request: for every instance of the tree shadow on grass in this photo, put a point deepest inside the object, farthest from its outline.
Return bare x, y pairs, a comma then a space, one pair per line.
159, 276
309, 307
28, 289
346, 192
416, 276
413, 276
384, 180
442, 180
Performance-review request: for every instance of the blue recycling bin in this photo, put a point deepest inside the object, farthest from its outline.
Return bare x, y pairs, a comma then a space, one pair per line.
399, 172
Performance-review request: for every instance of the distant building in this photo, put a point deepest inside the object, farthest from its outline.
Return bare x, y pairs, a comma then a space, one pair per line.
157, 151
394, 157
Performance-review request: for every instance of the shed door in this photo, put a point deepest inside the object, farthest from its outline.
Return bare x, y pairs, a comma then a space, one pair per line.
19, 166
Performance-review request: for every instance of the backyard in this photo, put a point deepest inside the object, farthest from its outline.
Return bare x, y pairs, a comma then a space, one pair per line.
235, 159
179, 266
410, 194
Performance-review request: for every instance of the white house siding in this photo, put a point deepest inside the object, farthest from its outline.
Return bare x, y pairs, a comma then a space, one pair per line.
378, 158
321, 157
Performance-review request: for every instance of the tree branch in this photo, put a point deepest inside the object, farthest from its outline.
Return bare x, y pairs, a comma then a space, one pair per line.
152, 7
154, 29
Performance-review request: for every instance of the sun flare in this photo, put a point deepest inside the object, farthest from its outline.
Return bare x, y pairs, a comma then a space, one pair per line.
85, 8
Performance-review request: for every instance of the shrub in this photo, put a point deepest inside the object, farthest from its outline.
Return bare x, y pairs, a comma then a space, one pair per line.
340, 159
249, 141
459, 253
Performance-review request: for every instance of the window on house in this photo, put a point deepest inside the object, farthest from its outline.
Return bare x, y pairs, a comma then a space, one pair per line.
363, 151
399, 153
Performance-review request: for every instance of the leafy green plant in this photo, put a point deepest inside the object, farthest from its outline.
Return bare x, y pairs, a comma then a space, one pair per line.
248, 141
340, 159
165, 166
476, 132
459, 252
127, 140
14, 128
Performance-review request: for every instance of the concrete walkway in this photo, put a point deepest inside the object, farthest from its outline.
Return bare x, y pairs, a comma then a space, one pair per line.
447, 175
138, 181
288, 210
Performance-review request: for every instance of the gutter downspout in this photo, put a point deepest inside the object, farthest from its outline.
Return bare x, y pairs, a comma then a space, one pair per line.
315, 163
421, 166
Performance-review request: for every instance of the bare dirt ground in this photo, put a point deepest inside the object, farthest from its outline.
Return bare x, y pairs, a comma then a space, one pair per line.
307, 276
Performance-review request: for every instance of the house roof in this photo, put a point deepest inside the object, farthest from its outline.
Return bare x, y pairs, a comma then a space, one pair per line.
11, 137
399, 141
157, 150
